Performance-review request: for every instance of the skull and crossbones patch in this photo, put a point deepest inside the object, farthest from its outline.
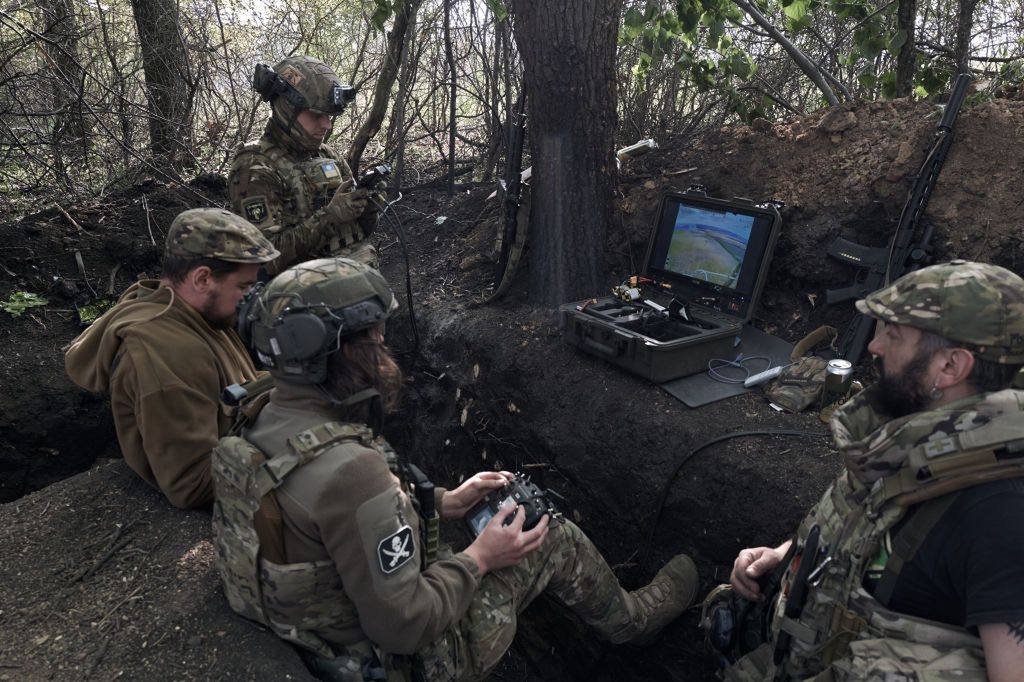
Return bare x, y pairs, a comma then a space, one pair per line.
396, 550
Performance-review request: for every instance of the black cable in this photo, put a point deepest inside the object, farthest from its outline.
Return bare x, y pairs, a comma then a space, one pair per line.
688, 456
395, 222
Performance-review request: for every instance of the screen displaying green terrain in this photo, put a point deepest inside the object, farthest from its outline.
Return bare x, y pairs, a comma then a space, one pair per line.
708, 245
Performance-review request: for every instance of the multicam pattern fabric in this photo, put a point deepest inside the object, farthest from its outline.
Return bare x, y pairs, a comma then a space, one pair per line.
294, 600
216, 233
977, 304
334, 283
843, 632
799, 385
286, 192
568, 567
313, 79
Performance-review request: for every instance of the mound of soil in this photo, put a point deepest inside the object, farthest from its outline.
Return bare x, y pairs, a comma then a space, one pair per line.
489, 385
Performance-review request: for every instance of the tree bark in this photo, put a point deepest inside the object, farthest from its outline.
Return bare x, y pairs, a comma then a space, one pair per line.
165, 64
906, 16
568, 53
964, 24
405, 13
69, 135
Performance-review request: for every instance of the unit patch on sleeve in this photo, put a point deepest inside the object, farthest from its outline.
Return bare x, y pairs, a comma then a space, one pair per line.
255, 209
396, 550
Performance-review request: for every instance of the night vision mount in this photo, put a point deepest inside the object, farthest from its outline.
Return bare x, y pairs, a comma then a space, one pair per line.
268, 84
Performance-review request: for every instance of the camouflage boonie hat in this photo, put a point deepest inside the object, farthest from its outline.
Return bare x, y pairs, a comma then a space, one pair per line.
220, 234
321, 88
977, 304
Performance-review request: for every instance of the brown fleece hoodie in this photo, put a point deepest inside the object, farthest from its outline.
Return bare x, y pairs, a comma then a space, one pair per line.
165, 368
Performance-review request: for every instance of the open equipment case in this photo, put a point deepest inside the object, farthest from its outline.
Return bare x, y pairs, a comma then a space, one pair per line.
705, 268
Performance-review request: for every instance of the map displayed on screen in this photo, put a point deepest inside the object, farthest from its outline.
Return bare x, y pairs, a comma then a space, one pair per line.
709, 245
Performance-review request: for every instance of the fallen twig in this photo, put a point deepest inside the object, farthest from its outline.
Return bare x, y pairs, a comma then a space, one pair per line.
149, 227
69, 218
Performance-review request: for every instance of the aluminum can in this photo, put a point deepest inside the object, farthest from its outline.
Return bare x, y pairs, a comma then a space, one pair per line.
838, 376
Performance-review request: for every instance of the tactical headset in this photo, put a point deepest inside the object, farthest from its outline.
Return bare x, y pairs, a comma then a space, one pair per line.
296, 342
269, 84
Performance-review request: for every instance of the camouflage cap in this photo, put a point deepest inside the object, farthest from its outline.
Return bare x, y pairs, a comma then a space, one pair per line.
220, 234
976, 304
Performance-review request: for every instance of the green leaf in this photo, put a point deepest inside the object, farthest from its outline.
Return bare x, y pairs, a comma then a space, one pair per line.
20, 301
796, 9
867, 80
634, 19
896, 41
498, 9
889, 84
381, 14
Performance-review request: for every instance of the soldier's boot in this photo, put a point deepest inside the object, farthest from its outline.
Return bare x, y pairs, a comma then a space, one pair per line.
664, 599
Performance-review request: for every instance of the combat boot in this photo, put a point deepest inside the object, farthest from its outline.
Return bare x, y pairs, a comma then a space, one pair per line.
663, 600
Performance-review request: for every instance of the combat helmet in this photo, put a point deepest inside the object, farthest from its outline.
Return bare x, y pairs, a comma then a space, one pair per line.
301, 83
297, 320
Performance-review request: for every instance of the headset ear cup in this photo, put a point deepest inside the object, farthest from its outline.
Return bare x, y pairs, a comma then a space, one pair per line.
245, 312
300, 336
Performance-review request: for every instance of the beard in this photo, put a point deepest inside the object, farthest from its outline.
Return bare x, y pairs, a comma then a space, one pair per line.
896, 396
215, 320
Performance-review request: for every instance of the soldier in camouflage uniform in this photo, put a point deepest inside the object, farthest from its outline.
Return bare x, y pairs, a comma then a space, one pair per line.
913, 560
296, 189
168, 348
319, 535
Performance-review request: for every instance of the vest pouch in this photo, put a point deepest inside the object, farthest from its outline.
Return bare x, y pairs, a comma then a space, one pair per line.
799, 386
897, 645
321, 178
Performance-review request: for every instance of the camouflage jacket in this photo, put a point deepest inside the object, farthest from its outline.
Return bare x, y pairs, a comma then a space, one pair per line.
843, 632
285, 191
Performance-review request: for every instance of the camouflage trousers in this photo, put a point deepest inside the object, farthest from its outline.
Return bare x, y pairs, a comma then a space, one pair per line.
568, 567
363, 252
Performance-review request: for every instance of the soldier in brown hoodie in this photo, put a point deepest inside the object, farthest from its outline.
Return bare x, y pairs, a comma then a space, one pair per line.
168, 349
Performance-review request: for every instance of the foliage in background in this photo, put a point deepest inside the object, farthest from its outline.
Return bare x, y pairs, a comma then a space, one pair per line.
74, 108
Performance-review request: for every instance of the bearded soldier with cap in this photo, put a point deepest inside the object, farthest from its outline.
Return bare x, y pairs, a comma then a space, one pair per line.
296, 189
168, 349
318, 531
911, 567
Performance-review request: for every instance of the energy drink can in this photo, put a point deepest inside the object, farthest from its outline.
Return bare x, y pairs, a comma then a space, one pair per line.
838, 376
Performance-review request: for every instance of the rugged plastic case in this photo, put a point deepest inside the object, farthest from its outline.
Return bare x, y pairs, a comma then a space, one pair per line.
695, 241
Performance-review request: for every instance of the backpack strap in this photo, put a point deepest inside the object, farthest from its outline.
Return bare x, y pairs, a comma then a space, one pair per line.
908, 541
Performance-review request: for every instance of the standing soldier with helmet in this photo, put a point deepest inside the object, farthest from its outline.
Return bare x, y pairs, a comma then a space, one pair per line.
296, 189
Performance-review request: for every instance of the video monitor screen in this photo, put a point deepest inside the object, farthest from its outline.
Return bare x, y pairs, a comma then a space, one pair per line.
709, 246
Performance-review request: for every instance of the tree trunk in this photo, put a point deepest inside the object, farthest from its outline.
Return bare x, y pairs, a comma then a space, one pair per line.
165, 64
405, 12
68, 137
450, 59
964, 24
568, 53
397, 130
906, 15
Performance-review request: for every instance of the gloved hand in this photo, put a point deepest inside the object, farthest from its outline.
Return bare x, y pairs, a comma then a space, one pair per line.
347, 206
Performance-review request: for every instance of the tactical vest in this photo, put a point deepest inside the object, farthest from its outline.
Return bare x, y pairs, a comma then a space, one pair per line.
244, 479
306, 185
843, 626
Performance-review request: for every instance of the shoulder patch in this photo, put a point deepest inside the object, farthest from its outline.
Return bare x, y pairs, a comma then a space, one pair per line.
396, 550
255, 209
